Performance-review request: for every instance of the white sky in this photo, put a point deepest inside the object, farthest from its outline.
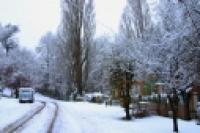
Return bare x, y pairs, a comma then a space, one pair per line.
108, 13
36, 17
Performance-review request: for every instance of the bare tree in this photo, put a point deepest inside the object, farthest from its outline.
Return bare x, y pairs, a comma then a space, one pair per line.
88, 40
77, 27
136, 17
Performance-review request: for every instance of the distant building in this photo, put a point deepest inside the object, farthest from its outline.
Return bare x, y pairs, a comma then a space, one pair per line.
194, 95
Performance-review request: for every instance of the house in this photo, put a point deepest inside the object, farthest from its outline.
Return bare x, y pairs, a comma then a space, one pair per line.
96, 97
185, 110
158, 99
137, 88
160, 88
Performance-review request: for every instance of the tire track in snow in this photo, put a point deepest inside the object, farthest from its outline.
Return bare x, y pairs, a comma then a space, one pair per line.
52, 124
14, 126
43, 122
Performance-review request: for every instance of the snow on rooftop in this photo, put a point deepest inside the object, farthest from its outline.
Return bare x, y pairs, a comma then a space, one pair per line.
159, 83
189, 89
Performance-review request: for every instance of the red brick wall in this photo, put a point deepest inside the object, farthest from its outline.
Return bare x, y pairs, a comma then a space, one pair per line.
163, 109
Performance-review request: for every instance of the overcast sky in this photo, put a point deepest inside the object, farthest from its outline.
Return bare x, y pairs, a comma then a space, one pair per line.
36, 17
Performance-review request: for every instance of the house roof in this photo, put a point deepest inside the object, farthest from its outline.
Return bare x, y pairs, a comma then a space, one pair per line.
194, 89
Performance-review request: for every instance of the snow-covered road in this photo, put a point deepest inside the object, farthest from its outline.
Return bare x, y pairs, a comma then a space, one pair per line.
83, 117
31, 118
41, 122
11, 110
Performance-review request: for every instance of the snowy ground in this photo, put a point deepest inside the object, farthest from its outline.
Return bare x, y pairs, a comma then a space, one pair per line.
41, 121
93, 118
82, 117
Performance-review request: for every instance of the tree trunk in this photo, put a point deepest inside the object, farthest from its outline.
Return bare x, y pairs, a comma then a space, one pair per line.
159, 105
175, 111
77, 48
16, 93
174, 115
127, 102
175, 122
128, 117
174, 107
127, 95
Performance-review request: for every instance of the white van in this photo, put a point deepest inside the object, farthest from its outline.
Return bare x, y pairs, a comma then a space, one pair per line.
26, 95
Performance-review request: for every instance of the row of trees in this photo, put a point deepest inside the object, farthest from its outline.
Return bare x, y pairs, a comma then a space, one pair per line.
80, 61
67, 62
168, 48
17, 66
67, 55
